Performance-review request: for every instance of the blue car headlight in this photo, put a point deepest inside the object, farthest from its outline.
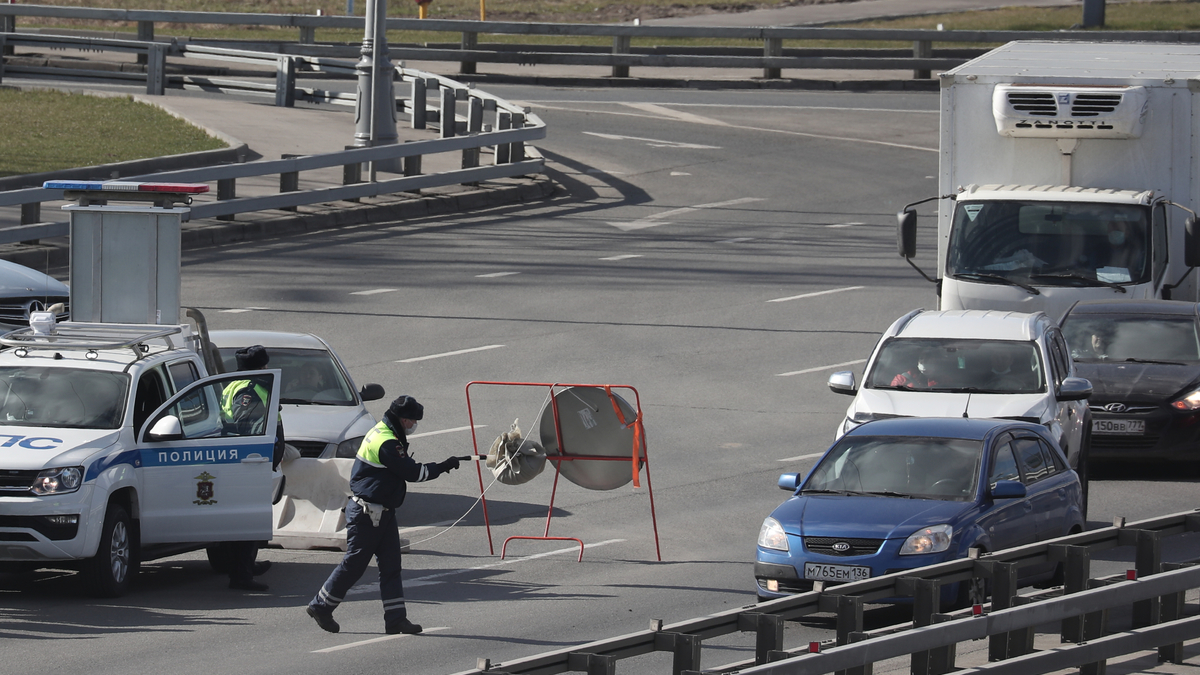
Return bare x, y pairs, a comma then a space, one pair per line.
58, 481
933, 539
772, 535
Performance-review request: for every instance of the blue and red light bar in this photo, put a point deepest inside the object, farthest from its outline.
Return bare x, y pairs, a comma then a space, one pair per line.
125, 186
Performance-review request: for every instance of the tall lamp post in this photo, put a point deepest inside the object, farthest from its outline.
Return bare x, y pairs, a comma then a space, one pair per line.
375, 110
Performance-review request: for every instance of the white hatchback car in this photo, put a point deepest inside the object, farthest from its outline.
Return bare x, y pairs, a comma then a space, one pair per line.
323, 413
974, 363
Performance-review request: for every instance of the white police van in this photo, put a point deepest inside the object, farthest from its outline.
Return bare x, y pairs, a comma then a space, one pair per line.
113, 450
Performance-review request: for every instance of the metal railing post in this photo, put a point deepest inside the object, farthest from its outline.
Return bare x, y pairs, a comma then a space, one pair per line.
3, 52
922, 49
156, 70
226, 190
470, 42
285, 82
289, 181
927, 596
621, 45
1148, 561
447, 115
772, 46
768, 634
1076, 572
351, 173
503, 121
308, 35
517, 153
145, 33
1004, 592
417, 109
470, 156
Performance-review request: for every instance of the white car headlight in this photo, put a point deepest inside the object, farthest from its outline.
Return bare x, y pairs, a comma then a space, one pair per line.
772, 535
929, 540
58, 481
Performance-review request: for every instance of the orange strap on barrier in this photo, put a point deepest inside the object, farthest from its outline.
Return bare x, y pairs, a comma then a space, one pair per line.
638, 433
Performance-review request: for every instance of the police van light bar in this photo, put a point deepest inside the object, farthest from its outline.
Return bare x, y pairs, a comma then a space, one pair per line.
125, 186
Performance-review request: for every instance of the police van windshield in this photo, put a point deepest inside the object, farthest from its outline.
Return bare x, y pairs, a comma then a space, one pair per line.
62, 397
310, 376
1050, 243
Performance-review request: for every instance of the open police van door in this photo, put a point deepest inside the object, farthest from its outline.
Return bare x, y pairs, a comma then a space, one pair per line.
206, 461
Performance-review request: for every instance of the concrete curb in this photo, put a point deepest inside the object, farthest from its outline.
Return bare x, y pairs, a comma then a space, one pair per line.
55, 253
235, 153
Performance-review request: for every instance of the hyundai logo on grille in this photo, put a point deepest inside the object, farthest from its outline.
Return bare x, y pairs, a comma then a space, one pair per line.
1115, 407
840, 547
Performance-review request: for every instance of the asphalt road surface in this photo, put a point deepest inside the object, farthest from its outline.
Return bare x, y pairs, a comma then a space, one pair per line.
721, 252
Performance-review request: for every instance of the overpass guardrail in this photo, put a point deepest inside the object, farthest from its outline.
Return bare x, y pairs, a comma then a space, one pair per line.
772, 58
456, 111
1155, 591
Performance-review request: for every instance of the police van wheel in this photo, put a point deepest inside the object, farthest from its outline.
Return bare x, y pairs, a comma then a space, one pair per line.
220, 558
110, 572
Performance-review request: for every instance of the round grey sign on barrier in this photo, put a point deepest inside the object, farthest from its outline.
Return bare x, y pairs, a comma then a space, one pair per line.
591, 428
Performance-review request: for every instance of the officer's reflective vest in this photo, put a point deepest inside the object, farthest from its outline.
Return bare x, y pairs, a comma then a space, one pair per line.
227, 403
368, 452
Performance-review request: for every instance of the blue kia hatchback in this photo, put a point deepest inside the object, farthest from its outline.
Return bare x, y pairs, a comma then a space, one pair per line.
902, 493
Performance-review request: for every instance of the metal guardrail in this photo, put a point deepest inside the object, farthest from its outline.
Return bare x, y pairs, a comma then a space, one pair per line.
772, 58
1157, 598
508, 136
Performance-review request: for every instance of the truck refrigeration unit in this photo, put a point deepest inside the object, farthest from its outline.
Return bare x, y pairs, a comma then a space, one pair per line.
1068, 171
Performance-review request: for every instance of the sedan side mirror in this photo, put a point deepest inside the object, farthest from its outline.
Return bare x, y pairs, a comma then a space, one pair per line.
371, 392
843, 383
1008, 489
789, 481
165, 429
1074, 389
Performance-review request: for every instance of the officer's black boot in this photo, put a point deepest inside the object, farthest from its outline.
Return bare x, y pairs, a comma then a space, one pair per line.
402, 626
324, 619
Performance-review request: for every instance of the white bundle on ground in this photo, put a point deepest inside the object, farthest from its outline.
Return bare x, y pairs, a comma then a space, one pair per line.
515, 460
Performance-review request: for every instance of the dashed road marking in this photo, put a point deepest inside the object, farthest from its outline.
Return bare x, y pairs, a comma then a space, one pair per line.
735, 240
242, 310
815, 294
828, 367
656, 219
454, 353
385, 638
838, 225
654, 142
494, 275
375, 291
800, 457
627, 256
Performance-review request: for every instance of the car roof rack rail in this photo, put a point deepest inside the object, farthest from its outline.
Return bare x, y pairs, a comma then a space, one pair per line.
93, 337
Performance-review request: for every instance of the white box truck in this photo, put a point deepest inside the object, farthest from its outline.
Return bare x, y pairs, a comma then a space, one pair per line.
1068, 171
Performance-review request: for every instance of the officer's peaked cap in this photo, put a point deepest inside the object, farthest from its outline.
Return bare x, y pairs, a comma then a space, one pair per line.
252, 358
406, 407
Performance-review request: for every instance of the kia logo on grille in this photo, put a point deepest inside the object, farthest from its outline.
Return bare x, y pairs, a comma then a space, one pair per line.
1115, 407
841, 547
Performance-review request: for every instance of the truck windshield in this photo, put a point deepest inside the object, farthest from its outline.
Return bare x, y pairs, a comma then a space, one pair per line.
958, 366
1050, 243
62, 397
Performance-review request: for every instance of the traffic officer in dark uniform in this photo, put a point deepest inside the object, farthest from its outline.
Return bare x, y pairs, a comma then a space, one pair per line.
244, 412
378, 483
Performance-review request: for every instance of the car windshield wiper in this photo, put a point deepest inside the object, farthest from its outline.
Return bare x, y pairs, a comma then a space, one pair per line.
996, 278
821, 491
300, 401
887, 493
1079, 277
1165, 363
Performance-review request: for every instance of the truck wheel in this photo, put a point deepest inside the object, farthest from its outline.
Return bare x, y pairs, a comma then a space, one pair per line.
220, 558
110, 572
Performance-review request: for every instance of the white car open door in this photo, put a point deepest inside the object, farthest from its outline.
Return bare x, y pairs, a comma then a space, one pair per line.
205, 460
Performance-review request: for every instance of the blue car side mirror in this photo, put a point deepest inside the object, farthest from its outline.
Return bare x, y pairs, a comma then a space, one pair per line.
1008, 489
789, 481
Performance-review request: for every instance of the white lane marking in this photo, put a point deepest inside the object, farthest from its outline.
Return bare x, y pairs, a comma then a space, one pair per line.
736, 240
813, 295
372, 641
654, 142
828, 367
431, 526
627, 256
837, 225
664, 111
653, 220
430, 579
454, 353
680, 173
544, 102
799, 457
242, 310
445, 431
611, 173
493, 275
375, 291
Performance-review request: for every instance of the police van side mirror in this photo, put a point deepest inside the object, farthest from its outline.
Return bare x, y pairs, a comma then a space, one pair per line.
906, 233
165, 429
371, 392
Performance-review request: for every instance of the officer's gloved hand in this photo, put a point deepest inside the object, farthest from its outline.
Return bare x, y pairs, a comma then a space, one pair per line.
449, 464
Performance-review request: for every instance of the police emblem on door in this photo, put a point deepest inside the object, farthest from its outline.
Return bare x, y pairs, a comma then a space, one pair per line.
204, 490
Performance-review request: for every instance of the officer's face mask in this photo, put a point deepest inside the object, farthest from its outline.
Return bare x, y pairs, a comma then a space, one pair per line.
409, 430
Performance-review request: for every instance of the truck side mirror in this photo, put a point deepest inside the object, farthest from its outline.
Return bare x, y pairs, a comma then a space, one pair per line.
1191, 242
371, 392
906, 233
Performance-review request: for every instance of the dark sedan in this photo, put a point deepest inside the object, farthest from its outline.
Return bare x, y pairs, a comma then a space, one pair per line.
1143, 359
